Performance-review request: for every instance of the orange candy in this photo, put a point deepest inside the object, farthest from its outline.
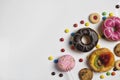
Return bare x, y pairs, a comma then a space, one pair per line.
113, 73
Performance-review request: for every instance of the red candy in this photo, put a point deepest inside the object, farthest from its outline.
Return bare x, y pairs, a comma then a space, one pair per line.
81, 22
62, 50
80, 60
72, 47
61, 39
75, 25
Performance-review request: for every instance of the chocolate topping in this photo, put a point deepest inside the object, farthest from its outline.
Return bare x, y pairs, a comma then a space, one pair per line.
77, 39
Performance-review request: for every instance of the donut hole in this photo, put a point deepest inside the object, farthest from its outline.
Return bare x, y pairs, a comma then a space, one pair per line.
114, 29
86, 39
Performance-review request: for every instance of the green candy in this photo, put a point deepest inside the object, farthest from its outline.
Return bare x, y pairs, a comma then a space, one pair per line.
104, 13
108, 73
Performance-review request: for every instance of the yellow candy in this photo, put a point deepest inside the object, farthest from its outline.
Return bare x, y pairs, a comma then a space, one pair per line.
87, 24
102, 76
111, 14
99, 37
50, 58
67, 30
98, 46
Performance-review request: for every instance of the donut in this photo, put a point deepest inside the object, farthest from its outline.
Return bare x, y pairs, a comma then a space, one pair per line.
117, 64
101, 60
85, 74
66, 63
90, 34
111, 28
94, 18
117, 50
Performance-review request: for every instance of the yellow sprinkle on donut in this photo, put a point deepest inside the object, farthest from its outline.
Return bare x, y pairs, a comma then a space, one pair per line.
87, 24
111, 14
98, 46
102, 76
67, 30
50, 58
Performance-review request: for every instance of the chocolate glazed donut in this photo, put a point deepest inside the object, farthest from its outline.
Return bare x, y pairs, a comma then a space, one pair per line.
77, 39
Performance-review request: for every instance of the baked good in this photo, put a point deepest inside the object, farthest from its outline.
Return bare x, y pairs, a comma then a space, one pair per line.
66, 63
101, 60
117, 50
111, 28
90, 34
94, 18
85, 74
117, 64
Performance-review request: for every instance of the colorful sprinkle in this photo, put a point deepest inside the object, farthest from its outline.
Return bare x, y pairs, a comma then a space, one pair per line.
113, 73
82, 22
61, 39
60, 75
72, 34
75, 25
111, 14
104, 13
72, 47
62, 50
108, 73
104, 18
99, 37
56, 61
114, 69
80, 60
102, 76
98, 46
67, 30
70, 42
87, 24
117, 6
53, 73
50, 58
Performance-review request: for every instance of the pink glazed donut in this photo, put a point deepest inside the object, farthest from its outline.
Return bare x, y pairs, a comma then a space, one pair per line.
66, 63
111, 28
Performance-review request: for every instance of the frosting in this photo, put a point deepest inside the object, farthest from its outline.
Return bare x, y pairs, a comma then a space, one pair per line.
111, 28
66, 63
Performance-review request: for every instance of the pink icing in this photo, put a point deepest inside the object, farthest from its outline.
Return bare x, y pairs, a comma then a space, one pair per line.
109, 24
66, 63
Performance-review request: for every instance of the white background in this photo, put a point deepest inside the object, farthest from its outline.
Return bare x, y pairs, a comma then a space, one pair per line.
30, 32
